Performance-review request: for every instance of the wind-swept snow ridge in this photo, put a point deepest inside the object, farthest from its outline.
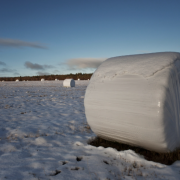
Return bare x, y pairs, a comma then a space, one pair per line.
136, 100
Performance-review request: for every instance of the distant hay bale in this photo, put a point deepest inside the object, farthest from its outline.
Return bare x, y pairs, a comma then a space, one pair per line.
69, 83
17, 80
42, 80
56, 80
78, 79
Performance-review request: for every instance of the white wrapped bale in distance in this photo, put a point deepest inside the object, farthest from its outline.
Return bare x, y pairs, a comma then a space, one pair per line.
17, 80
136, 100
78, 79
56, 80
69, 83
42, 79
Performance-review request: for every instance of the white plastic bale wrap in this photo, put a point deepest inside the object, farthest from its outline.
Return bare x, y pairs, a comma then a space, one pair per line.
136, 100
42, 79
69, 83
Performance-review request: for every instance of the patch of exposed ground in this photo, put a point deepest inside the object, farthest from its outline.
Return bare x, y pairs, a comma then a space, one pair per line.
163, 158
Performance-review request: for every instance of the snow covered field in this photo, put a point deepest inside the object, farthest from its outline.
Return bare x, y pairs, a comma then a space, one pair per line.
43, 135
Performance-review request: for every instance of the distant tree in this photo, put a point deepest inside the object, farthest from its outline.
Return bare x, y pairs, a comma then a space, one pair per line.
82, 76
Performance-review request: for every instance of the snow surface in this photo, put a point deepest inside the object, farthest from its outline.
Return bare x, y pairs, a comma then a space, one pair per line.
136, 100
43, 136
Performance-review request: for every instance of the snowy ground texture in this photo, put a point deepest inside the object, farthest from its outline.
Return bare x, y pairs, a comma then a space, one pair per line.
43, 136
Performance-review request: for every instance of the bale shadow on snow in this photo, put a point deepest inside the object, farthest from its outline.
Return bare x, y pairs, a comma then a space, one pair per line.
163, 158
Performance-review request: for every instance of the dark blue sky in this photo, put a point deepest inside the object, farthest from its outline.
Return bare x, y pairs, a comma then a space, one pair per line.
67, 36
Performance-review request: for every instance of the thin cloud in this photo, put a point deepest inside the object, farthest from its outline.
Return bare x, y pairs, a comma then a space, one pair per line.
40, 73
48, 66
35, 66
84, 63
19, 43
7, 70
2, 63
16, 74
56, 71
4, 70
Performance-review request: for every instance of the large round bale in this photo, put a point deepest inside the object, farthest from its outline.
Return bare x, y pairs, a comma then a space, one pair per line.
17, 80
136, 100
69, 83
42, 80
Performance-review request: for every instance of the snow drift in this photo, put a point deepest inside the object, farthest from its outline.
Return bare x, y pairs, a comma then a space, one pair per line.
69, 83
136, 100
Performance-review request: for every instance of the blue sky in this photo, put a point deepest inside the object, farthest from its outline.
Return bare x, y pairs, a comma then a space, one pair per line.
69, 36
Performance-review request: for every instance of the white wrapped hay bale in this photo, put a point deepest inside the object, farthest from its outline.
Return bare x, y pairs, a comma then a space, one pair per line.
17, 80
56, 80
42, 80
136, 100
69, 83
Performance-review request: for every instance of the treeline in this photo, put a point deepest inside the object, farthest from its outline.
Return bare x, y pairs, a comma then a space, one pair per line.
81, 76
